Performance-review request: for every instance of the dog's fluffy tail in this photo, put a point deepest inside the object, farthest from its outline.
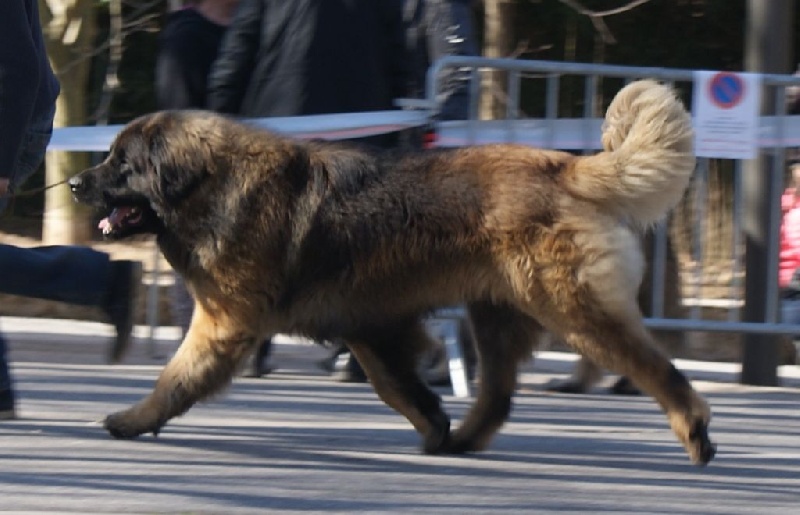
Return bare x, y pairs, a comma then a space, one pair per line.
648, 155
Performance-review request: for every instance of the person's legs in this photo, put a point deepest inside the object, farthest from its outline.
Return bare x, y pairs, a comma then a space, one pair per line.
74, 274
790, 314
77, 275
260, 364
7, 411
181, 304
119, 302
345, 366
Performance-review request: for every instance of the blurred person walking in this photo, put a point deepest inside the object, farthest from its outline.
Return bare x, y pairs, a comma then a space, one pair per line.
789, 256
308, 57
187, 47
435, 29
79, 275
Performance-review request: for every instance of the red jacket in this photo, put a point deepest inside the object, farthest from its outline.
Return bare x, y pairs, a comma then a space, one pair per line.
790, 237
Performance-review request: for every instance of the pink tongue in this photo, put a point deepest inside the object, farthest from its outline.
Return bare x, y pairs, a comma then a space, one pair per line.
116, 216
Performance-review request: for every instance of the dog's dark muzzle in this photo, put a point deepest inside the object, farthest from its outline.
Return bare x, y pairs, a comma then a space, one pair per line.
84, 187
80, 185
76, 183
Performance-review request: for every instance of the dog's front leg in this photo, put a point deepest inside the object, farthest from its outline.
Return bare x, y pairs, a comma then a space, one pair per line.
204, 364
389, 356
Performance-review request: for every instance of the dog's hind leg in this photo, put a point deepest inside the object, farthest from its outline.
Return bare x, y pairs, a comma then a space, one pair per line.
622, 344
389, 356
503, 338
203, 364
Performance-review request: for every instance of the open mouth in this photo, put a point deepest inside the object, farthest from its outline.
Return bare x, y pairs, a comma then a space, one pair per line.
121, 219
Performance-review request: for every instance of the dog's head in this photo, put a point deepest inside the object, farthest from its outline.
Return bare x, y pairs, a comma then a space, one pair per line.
154, 164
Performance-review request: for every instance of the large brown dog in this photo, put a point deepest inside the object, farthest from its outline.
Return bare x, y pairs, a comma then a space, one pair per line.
275, 235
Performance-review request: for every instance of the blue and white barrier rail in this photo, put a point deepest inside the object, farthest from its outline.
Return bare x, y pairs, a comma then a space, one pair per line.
561, 133
324, 126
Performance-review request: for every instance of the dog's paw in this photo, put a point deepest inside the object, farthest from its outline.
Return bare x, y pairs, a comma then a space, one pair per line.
126, 425
461, 442
460, 447
437, 440
438, 443
700, 447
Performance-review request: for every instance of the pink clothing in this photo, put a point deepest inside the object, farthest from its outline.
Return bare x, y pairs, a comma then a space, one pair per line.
789, 259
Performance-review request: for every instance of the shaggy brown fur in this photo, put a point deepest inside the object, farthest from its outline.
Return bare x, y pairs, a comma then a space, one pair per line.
586, 374
275, 235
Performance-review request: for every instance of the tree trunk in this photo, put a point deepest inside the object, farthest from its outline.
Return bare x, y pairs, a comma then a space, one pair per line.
498, 42
69, 28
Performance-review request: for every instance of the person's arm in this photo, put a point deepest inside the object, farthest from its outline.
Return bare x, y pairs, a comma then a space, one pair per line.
788, 199
450, 32
19, 83
173, 81
230, 73
397, 58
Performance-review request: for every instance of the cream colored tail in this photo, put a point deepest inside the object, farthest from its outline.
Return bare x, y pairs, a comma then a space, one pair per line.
648, 155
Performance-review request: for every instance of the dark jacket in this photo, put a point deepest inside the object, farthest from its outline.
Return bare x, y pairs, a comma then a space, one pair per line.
28, 87
295, 57
187, 46
435, 29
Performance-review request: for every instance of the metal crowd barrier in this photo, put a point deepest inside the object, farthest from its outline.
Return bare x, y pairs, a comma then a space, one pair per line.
547, 129
551, 127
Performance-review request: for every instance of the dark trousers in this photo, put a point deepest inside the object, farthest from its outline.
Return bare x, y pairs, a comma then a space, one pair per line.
78, 275
74, 274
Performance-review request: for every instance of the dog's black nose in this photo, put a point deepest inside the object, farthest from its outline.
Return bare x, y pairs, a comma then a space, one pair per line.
75, 183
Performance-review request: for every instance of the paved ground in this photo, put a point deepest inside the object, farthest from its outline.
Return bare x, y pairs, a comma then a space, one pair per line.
298, 442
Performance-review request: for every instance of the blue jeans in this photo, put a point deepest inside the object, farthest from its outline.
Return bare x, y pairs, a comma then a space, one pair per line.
790, 311
74, 274
5, 377
34, 146
78, 275
32, 152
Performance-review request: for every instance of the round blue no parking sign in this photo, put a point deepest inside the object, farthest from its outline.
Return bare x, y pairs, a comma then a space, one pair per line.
726, 90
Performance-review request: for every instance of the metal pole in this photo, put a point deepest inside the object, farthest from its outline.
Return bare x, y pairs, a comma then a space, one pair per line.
768, 37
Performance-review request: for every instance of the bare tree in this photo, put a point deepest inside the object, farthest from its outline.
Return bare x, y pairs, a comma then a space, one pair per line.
69, 29
498, 42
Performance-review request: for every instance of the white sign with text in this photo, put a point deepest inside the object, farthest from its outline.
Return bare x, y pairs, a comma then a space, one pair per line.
726, 109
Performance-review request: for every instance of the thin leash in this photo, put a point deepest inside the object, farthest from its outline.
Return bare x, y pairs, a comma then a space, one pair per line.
26, 193
35, 191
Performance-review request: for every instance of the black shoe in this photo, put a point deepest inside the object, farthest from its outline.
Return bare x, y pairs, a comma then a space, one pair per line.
7, 411
125, 277
567, 386
624, 386
329, 364
259, 366
348, 370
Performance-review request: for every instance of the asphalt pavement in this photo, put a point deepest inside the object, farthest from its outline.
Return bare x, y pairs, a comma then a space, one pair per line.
296, 441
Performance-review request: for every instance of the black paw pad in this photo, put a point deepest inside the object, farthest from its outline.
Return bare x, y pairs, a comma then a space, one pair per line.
705, 448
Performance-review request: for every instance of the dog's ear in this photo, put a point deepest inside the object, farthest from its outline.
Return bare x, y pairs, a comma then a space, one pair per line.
177, 160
